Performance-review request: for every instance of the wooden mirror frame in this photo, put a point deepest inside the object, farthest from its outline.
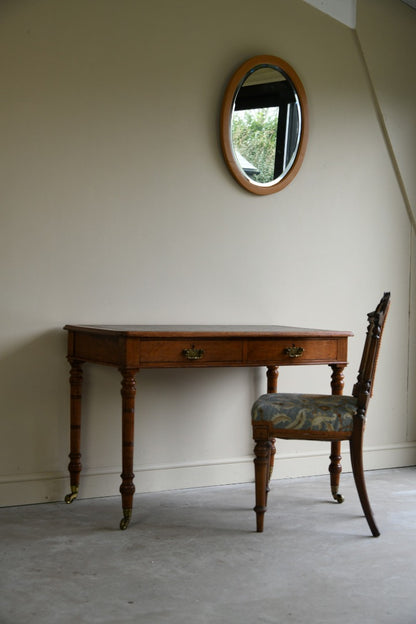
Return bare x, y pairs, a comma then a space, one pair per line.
226, 115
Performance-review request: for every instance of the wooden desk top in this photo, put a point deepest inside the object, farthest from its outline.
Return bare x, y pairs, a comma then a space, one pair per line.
182, 331
176, 346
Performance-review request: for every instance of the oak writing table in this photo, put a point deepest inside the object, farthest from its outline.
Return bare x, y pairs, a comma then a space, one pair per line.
132, 347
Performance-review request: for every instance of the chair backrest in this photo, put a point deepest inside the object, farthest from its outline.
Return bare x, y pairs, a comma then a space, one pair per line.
363, 389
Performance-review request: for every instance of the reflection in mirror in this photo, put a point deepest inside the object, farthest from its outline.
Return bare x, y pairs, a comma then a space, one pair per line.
264, 124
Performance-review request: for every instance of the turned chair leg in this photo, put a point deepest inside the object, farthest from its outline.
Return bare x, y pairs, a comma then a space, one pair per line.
356, 449
262, 470
335, 469
271, 465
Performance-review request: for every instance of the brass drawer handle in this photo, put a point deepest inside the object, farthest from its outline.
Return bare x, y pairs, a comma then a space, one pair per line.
293, 352
193, 353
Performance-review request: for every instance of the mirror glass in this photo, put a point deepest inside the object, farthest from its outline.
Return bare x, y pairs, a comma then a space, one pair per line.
264, 124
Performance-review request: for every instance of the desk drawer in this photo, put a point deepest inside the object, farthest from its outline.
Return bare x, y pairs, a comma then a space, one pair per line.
303, 351
190, 352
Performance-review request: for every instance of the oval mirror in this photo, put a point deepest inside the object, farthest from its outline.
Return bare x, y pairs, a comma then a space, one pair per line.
264, 124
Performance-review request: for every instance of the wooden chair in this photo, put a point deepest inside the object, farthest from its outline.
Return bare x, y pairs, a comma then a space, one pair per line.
320, 417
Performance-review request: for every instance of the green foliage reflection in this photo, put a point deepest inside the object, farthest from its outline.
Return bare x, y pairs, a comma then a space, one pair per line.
254, 137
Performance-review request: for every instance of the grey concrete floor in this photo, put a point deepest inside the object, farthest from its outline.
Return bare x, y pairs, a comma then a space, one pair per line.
193, 557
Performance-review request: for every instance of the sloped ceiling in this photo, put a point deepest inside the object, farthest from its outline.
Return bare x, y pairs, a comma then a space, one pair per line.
342, 10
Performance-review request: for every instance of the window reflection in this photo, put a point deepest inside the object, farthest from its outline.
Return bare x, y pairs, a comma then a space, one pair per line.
265, 125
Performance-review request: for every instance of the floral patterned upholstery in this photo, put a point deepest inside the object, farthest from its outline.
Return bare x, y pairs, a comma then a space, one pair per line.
311, 412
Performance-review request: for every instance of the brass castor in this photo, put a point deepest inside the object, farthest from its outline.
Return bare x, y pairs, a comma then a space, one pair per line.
74, 493
125, 521
338, 497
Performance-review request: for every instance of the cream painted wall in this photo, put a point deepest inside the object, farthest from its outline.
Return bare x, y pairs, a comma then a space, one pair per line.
117, 207
389, 52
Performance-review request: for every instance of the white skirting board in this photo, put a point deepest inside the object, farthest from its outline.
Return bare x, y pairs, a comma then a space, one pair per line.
51, 487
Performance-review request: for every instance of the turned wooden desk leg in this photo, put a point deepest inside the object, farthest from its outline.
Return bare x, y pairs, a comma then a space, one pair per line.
335, 467
272, 376
127, 489
75, 467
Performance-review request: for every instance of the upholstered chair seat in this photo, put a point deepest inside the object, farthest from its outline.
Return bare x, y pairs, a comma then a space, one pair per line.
306, 412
